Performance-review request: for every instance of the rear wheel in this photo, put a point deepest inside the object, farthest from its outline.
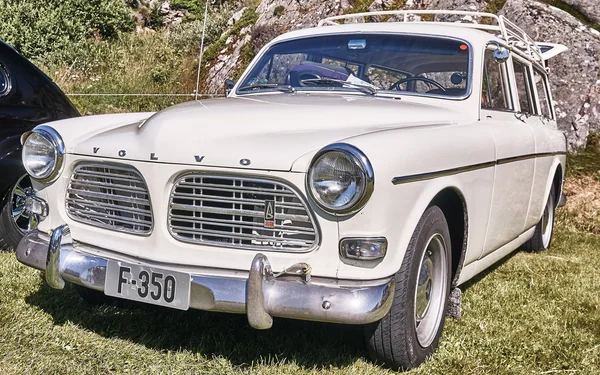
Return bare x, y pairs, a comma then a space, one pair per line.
15, 220
411, 330
542, 237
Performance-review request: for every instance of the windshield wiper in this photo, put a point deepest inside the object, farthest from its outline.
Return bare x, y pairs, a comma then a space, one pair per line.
364, 88
282, 88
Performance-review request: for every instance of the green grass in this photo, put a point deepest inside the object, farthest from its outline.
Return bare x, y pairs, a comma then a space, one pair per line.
531, 314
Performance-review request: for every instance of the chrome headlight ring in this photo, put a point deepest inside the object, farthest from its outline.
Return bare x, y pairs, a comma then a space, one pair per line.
53, 140
364, 183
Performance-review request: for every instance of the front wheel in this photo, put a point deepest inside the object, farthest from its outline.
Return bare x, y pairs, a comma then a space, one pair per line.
411, 330
15, 220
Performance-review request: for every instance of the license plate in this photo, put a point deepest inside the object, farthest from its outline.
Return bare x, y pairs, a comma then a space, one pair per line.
148, 284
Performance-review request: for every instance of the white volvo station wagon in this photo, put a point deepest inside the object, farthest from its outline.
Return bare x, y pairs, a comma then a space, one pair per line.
357, 173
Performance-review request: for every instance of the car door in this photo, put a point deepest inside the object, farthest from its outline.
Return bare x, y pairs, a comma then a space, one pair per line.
505, 115
548, 141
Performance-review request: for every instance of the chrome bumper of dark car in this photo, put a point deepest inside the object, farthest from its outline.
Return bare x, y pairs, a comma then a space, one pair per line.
260, 294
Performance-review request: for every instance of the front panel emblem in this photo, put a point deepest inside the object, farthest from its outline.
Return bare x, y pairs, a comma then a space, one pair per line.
269, 214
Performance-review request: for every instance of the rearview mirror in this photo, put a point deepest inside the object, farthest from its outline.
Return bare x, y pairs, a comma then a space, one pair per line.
228, 86
501, 53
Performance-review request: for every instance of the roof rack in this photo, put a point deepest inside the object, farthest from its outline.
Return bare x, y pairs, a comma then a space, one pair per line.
513, 35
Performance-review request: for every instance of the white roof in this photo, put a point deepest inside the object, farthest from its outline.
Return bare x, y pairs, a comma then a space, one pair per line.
475, 27
473, 36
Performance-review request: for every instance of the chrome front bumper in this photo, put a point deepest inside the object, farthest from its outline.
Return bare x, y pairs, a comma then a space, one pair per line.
259, 293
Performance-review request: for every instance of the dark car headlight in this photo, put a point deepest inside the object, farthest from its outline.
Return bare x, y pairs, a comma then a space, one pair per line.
43, 153
340, 179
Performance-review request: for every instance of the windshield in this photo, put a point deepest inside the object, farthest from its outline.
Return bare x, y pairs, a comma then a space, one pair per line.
367, 63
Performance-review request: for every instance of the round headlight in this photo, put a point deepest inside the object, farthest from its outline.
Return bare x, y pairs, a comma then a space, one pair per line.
340, 179
42, 155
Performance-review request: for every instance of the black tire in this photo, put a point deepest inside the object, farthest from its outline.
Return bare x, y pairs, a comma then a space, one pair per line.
94, 297
394, 341
544, 230
12, 231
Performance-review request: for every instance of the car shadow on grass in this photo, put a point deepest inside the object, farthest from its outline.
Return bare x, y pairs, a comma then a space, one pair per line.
308, 344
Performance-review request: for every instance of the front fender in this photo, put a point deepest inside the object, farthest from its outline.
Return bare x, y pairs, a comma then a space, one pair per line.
395, 209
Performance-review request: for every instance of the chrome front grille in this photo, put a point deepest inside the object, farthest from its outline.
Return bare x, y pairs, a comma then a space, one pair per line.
110, 196
231, 211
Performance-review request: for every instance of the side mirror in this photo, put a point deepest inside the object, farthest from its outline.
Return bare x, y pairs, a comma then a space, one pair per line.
501, 53
228, 86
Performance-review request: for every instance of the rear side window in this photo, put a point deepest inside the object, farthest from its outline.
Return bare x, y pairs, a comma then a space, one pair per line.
495, 94
524, 87
4, 81
541, 84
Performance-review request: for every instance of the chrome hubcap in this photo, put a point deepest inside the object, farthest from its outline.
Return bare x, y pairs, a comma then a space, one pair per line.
23, 219
431, 290
424, 286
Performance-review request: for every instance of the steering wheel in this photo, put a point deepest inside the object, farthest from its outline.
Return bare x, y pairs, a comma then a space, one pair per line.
396, 86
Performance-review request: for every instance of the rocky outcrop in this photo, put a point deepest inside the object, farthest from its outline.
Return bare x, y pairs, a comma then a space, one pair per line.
589, 8
575, 75
274, 17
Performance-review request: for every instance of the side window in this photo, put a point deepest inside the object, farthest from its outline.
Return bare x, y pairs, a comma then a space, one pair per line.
524, 87
495, 94
541, 84
4, 81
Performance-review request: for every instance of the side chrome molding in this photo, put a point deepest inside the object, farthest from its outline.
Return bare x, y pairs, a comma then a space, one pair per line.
469, 168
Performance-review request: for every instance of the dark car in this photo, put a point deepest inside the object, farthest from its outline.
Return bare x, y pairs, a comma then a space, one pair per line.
27, 98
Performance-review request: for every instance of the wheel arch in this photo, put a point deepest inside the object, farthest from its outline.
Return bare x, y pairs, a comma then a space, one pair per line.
453, 204
557, 181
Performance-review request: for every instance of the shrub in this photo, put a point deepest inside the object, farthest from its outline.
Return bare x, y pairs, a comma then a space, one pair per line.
187, 36
278, 11
39, 27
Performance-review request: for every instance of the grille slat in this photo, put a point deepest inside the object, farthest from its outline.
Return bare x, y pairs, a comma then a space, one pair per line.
217, 233
243, 226
104, 205
133, 189
237, 212
110, 196
256, 202
229, 222
106, 196
239, 190
227, 210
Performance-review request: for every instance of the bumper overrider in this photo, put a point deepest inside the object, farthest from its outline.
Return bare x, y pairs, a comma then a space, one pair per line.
261, 294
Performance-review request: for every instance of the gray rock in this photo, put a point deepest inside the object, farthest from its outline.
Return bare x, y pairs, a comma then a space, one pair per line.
589, 8
236, 17
575, 74
455, 304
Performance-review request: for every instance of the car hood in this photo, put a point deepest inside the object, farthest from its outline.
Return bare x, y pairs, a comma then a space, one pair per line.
267, 132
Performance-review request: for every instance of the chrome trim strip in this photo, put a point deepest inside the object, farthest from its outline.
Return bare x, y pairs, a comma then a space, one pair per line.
470, 168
